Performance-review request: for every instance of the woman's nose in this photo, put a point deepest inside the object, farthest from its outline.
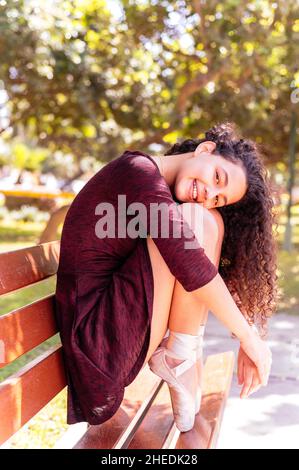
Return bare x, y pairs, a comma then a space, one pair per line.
210, 193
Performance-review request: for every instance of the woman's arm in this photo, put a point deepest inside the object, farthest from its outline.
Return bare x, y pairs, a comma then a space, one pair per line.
218, 299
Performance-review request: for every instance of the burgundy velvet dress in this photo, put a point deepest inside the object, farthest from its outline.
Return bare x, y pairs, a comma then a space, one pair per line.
104, 293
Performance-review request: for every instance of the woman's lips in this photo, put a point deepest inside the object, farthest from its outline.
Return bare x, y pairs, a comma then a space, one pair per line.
191, 191
199, 197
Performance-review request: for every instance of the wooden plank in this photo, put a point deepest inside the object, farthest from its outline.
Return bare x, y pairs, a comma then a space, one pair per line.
23, 267
23, 394
157, 424
113, 432
129, 433
25, 328
217, 377
172, 438
72, 435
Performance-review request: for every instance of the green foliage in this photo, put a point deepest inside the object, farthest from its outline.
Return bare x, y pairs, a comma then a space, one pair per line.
90, 78
26, 158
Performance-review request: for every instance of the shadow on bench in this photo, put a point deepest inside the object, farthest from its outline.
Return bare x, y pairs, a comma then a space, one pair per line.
144, 420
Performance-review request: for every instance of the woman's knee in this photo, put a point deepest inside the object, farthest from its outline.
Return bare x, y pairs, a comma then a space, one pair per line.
207, 224
213, 225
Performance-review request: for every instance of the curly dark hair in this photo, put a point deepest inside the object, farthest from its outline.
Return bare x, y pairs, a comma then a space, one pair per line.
249, 251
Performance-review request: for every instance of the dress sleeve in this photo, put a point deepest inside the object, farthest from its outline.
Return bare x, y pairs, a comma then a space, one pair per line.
137, 177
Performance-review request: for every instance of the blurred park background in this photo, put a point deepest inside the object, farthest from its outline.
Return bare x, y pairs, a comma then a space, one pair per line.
82, 81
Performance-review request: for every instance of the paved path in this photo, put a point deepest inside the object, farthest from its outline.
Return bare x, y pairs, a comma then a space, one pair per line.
270, 417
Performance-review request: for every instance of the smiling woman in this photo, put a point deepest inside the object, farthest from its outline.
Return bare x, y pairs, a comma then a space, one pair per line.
230, 175
116, 295
207, 177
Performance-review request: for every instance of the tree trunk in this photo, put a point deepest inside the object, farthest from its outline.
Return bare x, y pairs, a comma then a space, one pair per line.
287, 245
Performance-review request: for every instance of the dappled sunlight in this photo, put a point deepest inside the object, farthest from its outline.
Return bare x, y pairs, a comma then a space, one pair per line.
269, 418
282, 325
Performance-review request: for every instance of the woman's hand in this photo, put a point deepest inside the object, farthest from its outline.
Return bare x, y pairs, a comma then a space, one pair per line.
247, 375
260, 354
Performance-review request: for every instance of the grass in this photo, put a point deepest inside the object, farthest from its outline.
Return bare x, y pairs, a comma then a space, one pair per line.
44, 429
14, 232
288, 281
49, 424
17, 299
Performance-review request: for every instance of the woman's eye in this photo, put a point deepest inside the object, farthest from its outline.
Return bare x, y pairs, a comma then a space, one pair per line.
217, 177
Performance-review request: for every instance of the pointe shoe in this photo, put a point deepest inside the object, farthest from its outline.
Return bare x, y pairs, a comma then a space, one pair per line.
199, 354
183, 403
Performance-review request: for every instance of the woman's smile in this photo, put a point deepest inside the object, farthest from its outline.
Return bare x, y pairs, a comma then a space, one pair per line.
194, 191
195, 194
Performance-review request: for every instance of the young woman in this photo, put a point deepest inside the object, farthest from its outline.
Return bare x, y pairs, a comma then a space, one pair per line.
123, 283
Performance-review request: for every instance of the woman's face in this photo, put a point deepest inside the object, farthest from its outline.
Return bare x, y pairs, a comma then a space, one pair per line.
218, 181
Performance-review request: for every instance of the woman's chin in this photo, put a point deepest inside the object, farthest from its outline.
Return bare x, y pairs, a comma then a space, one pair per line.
177, 198
179, 194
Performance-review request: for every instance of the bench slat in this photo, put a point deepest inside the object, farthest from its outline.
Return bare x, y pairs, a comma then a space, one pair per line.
129, 433
23, 394
157, 425
23, 267
217, 377
25, 328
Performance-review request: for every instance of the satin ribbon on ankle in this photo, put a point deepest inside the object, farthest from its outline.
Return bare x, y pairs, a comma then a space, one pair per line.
183, 366
201, 331
179, 341
183, 345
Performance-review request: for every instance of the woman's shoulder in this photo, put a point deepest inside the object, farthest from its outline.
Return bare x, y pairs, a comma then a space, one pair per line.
133, 164
137, 158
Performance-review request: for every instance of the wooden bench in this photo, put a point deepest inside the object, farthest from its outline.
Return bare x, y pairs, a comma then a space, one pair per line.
144, 420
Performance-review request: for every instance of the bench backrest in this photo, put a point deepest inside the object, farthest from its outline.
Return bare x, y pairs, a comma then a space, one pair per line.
24, 393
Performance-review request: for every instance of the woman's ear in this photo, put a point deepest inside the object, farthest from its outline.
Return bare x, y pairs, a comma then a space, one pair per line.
207, 147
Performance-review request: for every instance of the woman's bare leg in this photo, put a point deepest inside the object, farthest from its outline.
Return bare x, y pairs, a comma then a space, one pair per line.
186, 312
163, 303
162, 297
